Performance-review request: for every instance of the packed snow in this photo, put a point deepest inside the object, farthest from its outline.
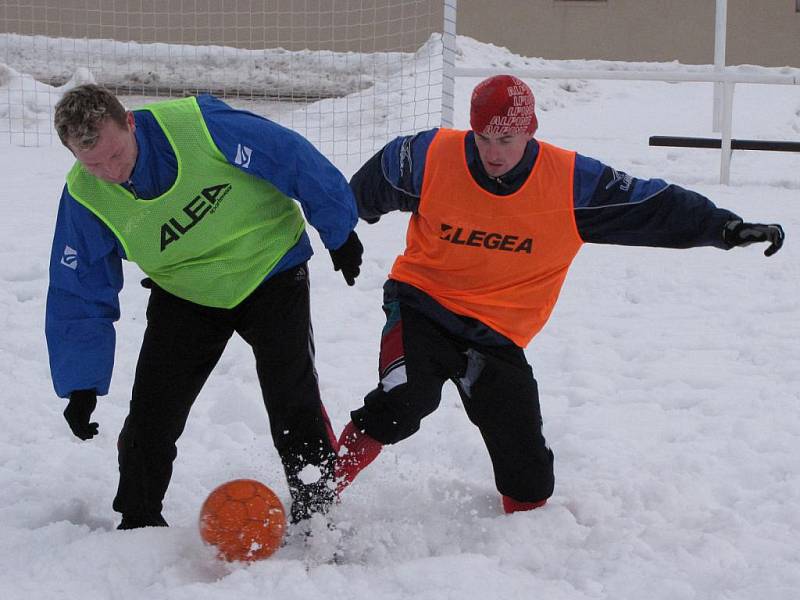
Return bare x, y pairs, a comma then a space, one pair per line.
669, 386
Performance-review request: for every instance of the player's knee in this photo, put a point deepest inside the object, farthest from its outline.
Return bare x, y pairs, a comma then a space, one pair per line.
392, 416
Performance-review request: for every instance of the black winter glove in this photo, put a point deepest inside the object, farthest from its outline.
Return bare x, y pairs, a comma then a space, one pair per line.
347, 258
737, 233
80, 407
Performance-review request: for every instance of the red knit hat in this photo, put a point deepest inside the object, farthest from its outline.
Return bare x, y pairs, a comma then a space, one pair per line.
502, 104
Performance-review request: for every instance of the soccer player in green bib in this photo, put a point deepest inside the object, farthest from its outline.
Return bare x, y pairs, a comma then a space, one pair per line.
204, 198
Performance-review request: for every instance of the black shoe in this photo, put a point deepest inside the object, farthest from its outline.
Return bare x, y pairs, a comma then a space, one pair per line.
137, 522
312, 502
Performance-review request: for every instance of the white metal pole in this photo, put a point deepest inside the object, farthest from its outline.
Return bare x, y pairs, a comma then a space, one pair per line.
727, 126
448, 62
720, 35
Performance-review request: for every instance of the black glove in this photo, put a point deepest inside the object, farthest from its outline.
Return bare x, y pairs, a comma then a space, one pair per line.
80, 407
737, 233
347, 258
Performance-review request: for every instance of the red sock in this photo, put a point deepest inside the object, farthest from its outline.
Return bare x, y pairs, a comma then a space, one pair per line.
356, 450
511, 506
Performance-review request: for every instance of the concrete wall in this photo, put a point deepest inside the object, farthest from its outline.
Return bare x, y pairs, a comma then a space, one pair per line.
765, 32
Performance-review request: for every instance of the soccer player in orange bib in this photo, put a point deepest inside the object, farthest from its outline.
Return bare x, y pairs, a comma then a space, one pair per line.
497, 216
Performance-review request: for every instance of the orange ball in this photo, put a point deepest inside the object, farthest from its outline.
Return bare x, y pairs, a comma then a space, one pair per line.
244, 520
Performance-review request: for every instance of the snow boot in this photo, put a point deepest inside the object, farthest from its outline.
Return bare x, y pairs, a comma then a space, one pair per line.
138, 521
511, 506
356, 450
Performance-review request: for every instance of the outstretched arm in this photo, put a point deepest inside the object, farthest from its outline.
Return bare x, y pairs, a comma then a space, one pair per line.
612, 207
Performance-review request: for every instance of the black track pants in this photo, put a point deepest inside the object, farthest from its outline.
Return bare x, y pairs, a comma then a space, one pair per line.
496, 385
182, 344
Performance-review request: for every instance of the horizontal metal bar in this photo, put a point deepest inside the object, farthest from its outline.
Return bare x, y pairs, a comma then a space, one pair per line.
695, 142
728, 74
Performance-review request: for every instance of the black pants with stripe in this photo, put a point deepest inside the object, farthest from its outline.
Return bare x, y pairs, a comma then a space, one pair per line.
182, 344
496, 385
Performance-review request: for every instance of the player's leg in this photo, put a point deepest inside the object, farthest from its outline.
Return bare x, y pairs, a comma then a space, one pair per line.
416, 358
275, 321
182, 343
501, 398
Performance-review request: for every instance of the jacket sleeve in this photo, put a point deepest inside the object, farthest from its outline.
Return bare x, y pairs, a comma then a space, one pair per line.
82, 300
392, 179
612, 207
288, 161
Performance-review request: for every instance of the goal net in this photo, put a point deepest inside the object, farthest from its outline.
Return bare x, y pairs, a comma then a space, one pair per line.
347, 74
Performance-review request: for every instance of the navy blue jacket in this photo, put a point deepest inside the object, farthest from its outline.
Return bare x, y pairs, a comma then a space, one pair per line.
86, 259
611, 207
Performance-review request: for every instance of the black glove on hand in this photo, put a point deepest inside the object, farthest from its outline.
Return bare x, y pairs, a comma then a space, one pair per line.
737, 233
80, 407
347, 258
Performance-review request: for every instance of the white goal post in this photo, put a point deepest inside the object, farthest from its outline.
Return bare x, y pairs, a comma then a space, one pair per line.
348, 74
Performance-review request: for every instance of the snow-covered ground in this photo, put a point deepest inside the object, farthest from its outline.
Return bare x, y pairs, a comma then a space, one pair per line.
669, 385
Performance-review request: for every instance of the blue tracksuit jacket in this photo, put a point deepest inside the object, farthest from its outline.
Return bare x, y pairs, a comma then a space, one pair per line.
86, 259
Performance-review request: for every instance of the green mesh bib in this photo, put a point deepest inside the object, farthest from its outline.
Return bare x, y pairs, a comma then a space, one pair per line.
215, 234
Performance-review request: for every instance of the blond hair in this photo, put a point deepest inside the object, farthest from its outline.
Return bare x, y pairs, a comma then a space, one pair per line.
81, 112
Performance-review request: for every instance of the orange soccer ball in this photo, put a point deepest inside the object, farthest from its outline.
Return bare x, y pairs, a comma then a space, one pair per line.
244, 519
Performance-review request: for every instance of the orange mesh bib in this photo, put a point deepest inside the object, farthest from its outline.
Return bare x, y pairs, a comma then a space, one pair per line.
499, 259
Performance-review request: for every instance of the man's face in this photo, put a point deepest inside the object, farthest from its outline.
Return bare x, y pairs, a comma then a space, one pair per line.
113, 156
501, 152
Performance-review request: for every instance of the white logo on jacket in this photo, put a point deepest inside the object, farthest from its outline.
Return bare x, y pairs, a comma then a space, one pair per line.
69, 258
405, 157
243, 154
623, 179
